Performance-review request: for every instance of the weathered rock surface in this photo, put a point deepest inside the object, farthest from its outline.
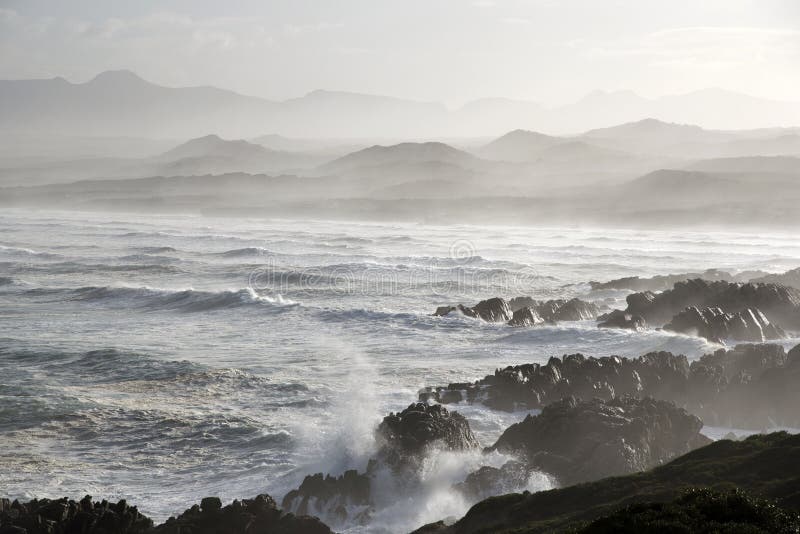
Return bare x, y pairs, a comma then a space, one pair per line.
579, 441
526, 316
493, 310
404, 439
488, 481
50, 516
716, 325
249, 516
664, 282
525, 311
779, 303
765, 465
336, 498
750, 386
620, 319
63, 516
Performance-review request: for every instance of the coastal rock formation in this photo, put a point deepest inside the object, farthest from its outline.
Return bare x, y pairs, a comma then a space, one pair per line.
578, 441
620, 319
764, 465
748, 386
64, 516
50, 516
337, 498
488, 481
716, 325
240, 517
664, 282
526, 316
525, 311
404, 439
493, 310
780, 303
406, 436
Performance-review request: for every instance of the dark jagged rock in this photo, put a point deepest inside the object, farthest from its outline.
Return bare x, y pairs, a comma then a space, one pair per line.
522, 302
793, 357
56, 516
579, 441
716, 325
405, 437
664, 282
765, 466
488, 481
332, 497
789, 278
620, 319
241, 517
748, 386
492, 310
526, 316
567, 310
532, 386
780, 303
499, 310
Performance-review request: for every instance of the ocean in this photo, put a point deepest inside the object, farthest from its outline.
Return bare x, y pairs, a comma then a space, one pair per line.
165, 358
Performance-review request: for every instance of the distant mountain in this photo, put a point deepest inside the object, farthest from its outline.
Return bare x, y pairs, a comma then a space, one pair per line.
654, 136
403, 153
753, 164
120, 103
519, 145
213, 146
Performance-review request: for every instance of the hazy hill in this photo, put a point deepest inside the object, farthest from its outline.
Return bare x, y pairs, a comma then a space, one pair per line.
754, 164
518, 145
405, 153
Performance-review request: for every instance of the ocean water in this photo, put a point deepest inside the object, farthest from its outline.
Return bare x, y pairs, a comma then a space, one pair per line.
166, 358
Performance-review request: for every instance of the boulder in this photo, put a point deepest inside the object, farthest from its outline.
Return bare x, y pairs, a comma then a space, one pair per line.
716, 325
405, 437
620, 319
578, 441
491, 310
526, 316
488, 481
567, 310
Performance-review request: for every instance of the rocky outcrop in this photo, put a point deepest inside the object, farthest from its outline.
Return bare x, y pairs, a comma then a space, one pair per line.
716, 325
339, 499
749, 386
664, 282
241, 517
525, 311
579, 441
493, 310
620, 319
567, 310
764, 465
532, 386
780, 304
63, 516
488, 481
526, 316
50, 516
404, 439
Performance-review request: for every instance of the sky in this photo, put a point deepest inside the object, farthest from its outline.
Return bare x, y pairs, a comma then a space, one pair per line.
452, 51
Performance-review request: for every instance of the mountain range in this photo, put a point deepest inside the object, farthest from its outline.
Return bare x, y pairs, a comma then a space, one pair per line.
120, 103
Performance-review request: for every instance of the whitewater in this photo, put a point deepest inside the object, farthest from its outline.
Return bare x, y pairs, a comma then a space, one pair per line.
164, 358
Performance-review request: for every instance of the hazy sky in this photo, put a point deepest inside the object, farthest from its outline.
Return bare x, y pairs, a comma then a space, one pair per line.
553, 51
